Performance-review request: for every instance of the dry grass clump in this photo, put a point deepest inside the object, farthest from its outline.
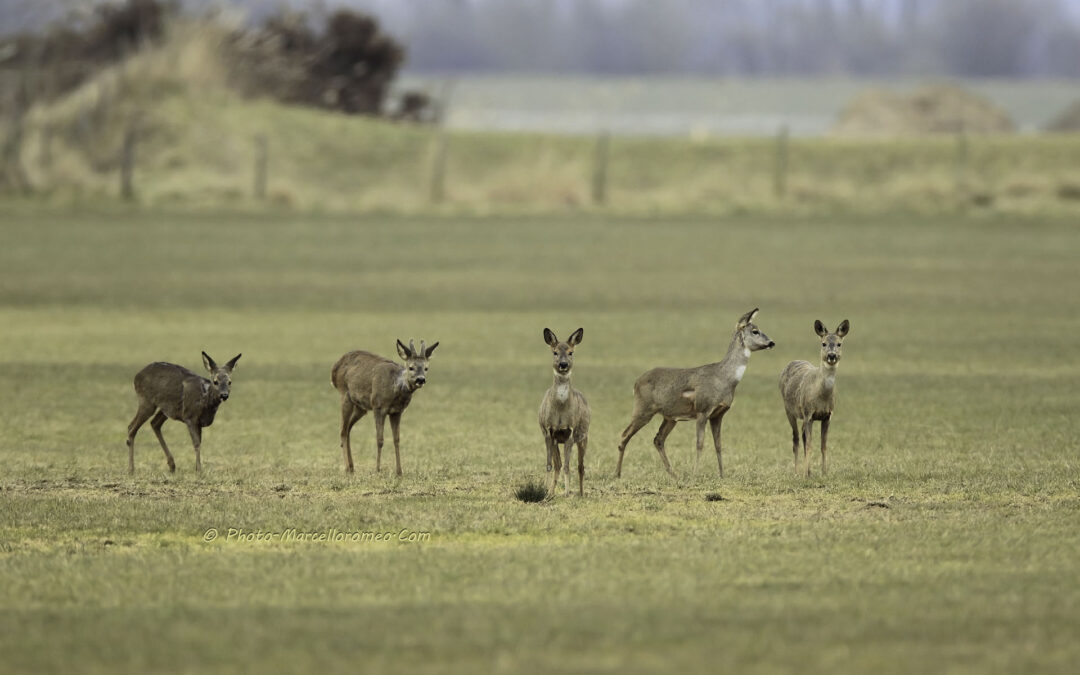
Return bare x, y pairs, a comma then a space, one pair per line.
1067, 121
937, 109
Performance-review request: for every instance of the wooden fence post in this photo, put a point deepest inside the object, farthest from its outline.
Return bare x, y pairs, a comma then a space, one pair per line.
780, 163
46, 147
261, 161
960, 163
437, 188
600, 168
127, 162
438, 167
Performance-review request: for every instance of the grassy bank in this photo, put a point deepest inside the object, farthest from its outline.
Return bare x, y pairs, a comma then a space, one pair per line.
196, 147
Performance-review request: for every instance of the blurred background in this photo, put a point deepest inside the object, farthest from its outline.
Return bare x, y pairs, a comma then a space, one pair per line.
478, 106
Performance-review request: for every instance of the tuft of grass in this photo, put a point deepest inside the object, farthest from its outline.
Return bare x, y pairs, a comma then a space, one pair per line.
714, 497
532, 491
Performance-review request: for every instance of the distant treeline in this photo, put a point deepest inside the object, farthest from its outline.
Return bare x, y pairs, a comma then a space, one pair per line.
961, 38
340, 60
969, 38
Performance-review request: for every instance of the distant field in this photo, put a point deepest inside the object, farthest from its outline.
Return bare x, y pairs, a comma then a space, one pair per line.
196, 147
943, 538
700, 106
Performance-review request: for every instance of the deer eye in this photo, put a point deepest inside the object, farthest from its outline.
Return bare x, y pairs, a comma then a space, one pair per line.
823, 344
570, 353
757, 332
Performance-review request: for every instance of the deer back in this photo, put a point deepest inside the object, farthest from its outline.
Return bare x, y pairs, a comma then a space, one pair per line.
163, 384
371, 380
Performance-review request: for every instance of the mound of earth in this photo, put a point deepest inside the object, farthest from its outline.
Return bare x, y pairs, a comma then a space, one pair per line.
1068, 120
939, 109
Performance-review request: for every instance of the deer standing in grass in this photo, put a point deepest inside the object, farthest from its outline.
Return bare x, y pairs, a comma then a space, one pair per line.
703, 394
371, 382
809, 390
564, 412
168, 391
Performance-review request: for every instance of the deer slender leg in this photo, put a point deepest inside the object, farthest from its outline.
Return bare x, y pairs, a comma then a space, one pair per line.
350, 414
395, 424
552, 450
661, 436
701, 420
581, 445
824, 435
155, 424
380, 419
196, 440
145, 412
636, 423
557, 460
807, 435
794, 422
714, 422
568, 457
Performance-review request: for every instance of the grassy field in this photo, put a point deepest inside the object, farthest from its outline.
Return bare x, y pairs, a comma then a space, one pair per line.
943, 538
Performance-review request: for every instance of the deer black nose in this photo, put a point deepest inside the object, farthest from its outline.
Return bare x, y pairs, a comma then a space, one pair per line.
563, 365
224, 396
771, 344
421, 380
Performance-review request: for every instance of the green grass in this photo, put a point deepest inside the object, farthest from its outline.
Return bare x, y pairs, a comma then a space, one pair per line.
943, 538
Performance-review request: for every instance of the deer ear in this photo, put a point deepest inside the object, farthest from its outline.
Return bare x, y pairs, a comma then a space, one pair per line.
427, 352
746, 319
844, 328
820, 328
208, 362
403, 351
575, 337
550, 338
232, 362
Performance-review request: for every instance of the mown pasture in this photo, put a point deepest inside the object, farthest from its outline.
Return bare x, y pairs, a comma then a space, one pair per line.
943, 538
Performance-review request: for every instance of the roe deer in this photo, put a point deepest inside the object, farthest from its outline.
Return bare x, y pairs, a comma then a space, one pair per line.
808, 392
176, 393
371, 382
564, 412
704, 393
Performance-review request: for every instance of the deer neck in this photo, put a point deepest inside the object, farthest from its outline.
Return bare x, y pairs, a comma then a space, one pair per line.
561, 388
826, 377
403, 383
737, 358
211, 395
